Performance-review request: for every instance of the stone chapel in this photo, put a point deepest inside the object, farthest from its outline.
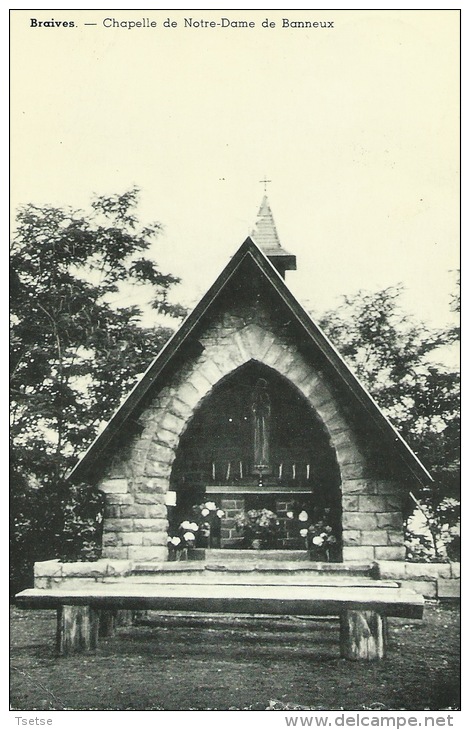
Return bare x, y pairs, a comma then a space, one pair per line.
250, 406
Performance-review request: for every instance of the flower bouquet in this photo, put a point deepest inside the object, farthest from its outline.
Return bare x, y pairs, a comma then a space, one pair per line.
318, 534
195, 532
260, 528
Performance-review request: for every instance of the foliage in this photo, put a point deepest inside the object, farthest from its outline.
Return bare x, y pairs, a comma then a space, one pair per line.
75, 346
434, 534
396, 357
260, 527
82, 519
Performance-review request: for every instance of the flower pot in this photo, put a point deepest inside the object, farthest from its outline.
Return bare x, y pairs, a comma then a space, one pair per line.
197, 554
318, 554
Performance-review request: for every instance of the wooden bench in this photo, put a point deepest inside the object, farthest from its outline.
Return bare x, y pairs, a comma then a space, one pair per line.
363, 610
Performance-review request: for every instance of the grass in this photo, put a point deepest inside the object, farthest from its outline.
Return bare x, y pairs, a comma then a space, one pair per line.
173, 662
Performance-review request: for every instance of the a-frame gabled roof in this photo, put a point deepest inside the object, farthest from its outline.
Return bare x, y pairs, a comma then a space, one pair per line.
250, 251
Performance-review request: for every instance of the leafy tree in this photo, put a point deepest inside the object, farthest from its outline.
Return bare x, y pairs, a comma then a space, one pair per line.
397, 358
75, 348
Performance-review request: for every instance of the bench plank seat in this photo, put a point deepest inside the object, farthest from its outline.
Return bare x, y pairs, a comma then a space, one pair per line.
248, 598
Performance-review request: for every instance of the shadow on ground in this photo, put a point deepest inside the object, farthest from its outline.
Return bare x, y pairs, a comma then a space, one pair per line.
205, 662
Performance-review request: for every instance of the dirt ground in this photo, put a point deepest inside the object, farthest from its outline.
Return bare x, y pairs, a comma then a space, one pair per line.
176, 662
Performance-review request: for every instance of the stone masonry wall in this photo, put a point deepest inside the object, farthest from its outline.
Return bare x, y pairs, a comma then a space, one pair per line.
136, 524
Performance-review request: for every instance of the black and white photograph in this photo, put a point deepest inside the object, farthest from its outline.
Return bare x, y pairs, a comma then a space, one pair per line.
234, 366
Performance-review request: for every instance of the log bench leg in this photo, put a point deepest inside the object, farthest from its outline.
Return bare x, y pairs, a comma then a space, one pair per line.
77, 629
363, 635
107, 625
123, 617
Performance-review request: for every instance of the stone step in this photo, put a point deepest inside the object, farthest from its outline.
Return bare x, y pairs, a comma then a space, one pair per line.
223, 555
248, 567
254, 577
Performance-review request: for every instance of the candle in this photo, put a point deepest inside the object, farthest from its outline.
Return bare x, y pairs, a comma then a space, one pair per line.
293, 471
308, 471
213, 471
241, 470
280, 471
228, 472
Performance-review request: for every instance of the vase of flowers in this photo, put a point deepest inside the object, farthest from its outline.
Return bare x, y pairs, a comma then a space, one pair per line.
317, 534
199, 531
260, 528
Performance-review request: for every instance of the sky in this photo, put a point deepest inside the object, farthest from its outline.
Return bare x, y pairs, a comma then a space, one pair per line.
356, 126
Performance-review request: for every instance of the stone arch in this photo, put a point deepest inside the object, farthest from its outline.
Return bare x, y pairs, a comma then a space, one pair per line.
176, 405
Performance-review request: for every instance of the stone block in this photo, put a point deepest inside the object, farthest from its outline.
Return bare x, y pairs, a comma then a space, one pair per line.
118, 499
392, 520
114, 486
115, 553
173, 423
427, 588
154, 538
389, 552
252, 336
394, 503
350, 503
425, 571
211, 371
200, 383
359, 521
131, 538
352, 470
162, 455
42, 582
393, 570
243, 346
156, 511
93, 569
330, 414
50, 568
179, 408
455, 570
134, 510
146, 498
299, 372
320, 397
190, 395
112, 511
111, 539
118, 567
448, 588
156, 553
274, 354
352, 537
118, 525
372, 503
151, 525
395, 537
166, 438
157, 485
358, 553
375, 537
357, 486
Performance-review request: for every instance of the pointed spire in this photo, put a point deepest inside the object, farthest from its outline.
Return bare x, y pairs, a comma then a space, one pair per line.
266, 237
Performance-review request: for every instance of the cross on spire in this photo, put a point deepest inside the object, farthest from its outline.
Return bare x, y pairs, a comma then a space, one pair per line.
265, 182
